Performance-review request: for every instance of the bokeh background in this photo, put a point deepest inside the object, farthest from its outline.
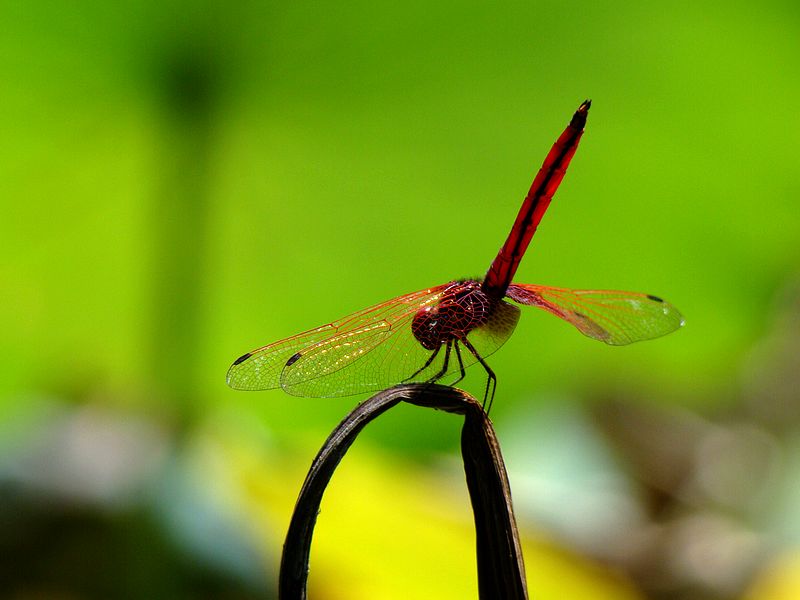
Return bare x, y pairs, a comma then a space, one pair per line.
182, 182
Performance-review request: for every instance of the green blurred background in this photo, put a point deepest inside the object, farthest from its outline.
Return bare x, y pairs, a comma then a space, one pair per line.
183, 182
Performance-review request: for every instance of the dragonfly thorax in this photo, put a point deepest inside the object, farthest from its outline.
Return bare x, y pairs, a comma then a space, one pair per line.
462, 307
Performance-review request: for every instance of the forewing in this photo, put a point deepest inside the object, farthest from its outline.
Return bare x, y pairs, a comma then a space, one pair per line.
616, 318
376, 353
261, 368
319, 352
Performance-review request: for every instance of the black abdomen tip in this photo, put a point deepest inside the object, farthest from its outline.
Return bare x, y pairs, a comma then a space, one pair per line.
579, 118
242, 358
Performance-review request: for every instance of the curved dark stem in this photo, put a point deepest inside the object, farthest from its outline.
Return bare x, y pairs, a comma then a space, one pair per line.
501, 573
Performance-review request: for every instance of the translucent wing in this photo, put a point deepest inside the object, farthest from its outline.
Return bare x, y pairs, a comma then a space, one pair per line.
616, 318
488, 338
307, 357
383, 353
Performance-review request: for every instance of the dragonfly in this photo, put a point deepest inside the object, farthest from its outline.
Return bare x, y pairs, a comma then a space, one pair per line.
434, 335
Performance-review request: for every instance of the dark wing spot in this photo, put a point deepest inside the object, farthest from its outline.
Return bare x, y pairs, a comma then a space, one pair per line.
293, 359
242, 358
654, 298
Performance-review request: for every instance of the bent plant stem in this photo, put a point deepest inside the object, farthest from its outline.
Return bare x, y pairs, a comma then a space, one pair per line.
501, 572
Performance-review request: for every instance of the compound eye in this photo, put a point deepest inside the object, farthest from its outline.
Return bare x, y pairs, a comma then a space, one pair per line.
426, 326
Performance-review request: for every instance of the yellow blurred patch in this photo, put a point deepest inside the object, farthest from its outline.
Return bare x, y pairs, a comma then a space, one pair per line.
778, 581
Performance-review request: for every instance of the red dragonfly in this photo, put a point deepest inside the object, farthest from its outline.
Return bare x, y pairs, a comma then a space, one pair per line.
434, 334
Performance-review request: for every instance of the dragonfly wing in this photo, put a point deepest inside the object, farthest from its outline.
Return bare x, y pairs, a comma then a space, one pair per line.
383, 353
616, 318
317, 369
372, 357
488, 338
261, 368
309, 363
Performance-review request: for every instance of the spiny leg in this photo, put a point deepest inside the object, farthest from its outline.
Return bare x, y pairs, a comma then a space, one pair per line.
443, 371
425, 366
491, 380
460, 363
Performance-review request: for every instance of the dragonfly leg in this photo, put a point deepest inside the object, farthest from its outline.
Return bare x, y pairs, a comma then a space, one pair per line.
443, 371
491, 381
460, 363
426, 365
